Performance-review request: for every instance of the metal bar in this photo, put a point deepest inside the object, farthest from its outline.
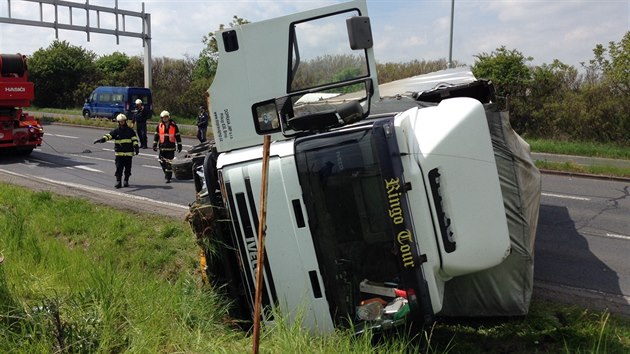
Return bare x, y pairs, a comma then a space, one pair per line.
262, 226
116, 14
145, 35
87, 6
56, 21
87, 20
71, 27
450, 49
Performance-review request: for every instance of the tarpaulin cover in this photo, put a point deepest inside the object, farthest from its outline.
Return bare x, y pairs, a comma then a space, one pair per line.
506, 289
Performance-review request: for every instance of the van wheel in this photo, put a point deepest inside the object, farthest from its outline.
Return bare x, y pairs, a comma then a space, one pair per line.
86, 114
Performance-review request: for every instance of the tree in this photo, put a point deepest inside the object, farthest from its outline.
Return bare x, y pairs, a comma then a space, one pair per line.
549, 88
58, 71
508, 71
615, 68
172, 79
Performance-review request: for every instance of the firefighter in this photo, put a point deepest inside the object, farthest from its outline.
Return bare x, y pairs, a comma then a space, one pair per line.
167, 138
202, 124
140, 116
125, 146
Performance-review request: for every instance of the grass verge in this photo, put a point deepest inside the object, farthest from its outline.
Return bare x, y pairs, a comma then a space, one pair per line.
81, 277
572, 167
580, 148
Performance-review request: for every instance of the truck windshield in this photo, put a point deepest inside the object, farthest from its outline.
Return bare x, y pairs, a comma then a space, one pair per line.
347, 209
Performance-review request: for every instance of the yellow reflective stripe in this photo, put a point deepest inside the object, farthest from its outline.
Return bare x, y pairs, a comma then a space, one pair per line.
107, 136
167, 149
124, 153
122, 141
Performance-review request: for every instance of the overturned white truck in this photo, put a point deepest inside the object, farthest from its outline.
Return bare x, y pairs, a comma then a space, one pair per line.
385, 204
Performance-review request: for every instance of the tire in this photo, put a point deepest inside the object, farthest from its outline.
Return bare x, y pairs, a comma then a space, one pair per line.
182, 168
205, 146
86, 114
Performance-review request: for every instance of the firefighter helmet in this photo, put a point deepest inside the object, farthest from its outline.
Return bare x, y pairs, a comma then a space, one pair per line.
164, 114
138, 101
121, 118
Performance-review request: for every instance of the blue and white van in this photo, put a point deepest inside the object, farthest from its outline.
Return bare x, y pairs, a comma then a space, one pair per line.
109, 101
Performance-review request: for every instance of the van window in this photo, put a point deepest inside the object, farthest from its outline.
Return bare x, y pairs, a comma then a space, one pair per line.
105, 97
144, 98
117, 98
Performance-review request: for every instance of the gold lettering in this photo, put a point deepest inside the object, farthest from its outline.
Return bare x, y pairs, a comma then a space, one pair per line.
407, 259
404, 237
392, 186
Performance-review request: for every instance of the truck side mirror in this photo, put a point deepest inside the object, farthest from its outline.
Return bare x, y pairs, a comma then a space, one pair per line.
359, 32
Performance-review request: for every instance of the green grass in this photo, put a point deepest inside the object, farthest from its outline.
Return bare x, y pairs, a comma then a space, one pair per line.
580, 148
572, 167
85, 278
588, 149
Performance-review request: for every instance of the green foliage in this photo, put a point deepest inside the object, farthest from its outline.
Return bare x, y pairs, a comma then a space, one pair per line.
615, 68
58, 71
326, 69
555, 101
117, 69
172, 91
395, 71
84, 278
506, 68
112, 65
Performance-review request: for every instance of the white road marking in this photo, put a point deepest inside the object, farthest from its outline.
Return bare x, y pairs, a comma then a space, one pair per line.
62, 136
83, 156
565, 196
87, 168
99, 190
622, 237
149, 166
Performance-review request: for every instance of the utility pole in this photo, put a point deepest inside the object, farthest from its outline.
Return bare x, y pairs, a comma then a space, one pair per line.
450, 49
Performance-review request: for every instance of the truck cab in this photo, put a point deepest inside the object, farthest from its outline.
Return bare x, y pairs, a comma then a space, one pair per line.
373, 204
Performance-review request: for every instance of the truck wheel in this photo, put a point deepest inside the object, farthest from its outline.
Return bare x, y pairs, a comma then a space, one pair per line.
182, 168
86, 114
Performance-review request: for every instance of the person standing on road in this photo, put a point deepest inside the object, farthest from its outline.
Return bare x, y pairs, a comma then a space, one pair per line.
167, 139
125, 146
140, 117
202, 124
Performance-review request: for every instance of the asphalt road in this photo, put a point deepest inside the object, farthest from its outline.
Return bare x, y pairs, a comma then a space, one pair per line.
582, 243
69, 163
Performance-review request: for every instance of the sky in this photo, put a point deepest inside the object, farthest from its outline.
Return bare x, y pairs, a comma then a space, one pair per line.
403, 30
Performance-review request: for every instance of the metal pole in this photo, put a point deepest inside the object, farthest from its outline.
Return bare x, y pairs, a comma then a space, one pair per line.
450, 49
262, 226
146, 25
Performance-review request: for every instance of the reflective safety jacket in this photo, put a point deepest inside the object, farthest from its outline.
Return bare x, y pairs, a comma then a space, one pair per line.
125, 140
167, 135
